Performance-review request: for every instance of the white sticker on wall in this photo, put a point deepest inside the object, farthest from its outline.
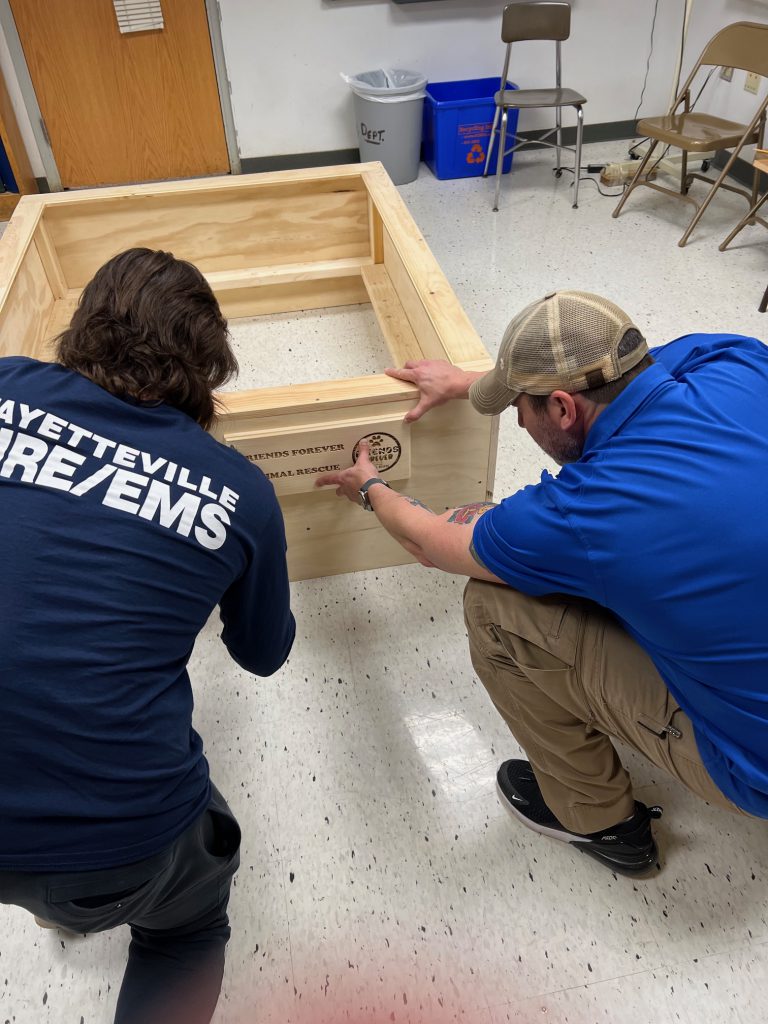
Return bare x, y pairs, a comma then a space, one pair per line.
138, 15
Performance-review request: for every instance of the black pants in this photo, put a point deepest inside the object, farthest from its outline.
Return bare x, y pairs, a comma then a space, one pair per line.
176, 905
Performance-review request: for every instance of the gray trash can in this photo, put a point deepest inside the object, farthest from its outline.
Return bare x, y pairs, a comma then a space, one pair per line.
388, 112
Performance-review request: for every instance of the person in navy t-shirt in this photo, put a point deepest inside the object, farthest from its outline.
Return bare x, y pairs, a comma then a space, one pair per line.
623, 597
124, 525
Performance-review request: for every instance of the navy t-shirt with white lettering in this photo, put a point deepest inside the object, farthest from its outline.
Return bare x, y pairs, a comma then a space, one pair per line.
123, 526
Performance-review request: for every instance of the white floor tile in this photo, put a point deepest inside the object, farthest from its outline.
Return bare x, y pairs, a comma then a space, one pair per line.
645, 998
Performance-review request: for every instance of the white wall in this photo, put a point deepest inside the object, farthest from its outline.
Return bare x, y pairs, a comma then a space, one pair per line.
284, 59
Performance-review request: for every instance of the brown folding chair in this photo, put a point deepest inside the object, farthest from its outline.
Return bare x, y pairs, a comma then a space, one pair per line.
742, 45
521, 22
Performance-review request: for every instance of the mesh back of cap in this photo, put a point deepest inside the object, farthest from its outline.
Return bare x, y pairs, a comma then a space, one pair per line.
561, 340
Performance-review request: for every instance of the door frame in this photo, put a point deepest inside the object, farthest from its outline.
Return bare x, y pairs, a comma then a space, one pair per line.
32, 107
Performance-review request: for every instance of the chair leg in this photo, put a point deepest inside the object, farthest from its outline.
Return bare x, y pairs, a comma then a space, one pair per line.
636, 178
577, 168
559, 123
710, 195
684, 173
764, 303
748, 218
755, 186
500, 159
491, 141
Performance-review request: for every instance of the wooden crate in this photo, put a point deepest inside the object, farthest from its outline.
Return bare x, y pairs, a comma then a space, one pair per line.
269, 243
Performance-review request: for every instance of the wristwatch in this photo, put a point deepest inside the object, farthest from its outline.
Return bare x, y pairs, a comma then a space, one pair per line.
365, 501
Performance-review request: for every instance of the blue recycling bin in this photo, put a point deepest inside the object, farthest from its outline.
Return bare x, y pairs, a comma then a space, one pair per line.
458, 117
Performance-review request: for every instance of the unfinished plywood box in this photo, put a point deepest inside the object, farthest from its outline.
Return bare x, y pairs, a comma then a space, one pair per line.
272, 243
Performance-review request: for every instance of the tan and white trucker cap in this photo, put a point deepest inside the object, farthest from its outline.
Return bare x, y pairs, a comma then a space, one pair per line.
566, 341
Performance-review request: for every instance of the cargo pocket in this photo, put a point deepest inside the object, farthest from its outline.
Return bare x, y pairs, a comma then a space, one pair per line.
550, 625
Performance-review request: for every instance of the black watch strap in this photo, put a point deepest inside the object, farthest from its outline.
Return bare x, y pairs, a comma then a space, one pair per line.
365, 501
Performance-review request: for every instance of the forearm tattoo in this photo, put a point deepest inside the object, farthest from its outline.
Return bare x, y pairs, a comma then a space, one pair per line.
467, 514
416, 503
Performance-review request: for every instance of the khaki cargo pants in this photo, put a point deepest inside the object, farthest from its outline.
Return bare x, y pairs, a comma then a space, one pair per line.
566, 677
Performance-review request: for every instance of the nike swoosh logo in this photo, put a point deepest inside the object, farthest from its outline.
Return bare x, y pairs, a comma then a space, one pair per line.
519, 799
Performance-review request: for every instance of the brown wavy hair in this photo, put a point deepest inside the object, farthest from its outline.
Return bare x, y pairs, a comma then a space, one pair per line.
149, 327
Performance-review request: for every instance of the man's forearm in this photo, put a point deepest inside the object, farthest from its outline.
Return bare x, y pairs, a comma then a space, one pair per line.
438, 540
431, 537
403, 517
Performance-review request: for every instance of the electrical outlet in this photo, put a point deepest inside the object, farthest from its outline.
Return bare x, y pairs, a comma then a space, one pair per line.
751, 82
726, 74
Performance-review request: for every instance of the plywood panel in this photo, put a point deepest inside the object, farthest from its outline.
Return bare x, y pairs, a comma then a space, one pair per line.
428, 339
287, 298
50, 260
449, 467
395, 326
327, 537
292, 457
429, 300
59, 318
227, 229
228, 280
28, 304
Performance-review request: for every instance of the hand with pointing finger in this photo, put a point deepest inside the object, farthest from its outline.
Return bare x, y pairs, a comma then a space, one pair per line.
349, 481
438, 382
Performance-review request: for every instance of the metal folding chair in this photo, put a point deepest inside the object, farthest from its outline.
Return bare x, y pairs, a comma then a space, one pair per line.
742, 45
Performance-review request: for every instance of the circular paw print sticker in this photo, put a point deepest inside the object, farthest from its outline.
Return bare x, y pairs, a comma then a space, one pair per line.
384, 451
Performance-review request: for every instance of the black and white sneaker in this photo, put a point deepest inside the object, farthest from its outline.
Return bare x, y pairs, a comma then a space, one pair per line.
628, 847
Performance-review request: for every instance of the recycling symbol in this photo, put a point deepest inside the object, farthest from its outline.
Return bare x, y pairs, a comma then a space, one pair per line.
476, 155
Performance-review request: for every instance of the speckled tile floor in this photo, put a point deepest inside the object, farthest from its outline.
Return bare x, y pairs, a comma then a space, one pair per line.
380, 879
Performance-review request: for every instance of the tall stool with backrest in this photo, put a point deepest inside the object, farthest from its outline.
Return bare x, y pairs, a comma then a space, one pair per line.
742, 45
521, 22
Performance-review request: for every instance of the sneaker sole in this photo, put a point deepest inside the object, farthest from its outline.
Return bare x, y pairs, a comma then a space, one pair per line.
646, 866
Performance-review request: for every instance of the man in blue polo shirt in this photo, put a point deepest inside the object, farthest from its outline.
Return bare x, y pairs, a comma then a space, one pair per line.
124, 525
625, 596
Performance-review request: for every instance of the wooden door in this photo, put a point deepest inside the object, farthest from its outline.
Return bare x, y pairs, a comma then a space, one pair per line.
124, 108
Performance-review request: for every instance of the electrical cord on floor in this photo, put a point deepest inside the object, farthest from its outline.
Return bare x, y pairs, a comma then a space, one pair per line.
609, 195
631, 152
582, 177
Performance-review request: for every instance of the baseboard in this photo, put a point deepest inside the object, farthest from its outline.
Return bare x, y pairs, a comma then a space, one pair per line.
605, 132
295, 161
